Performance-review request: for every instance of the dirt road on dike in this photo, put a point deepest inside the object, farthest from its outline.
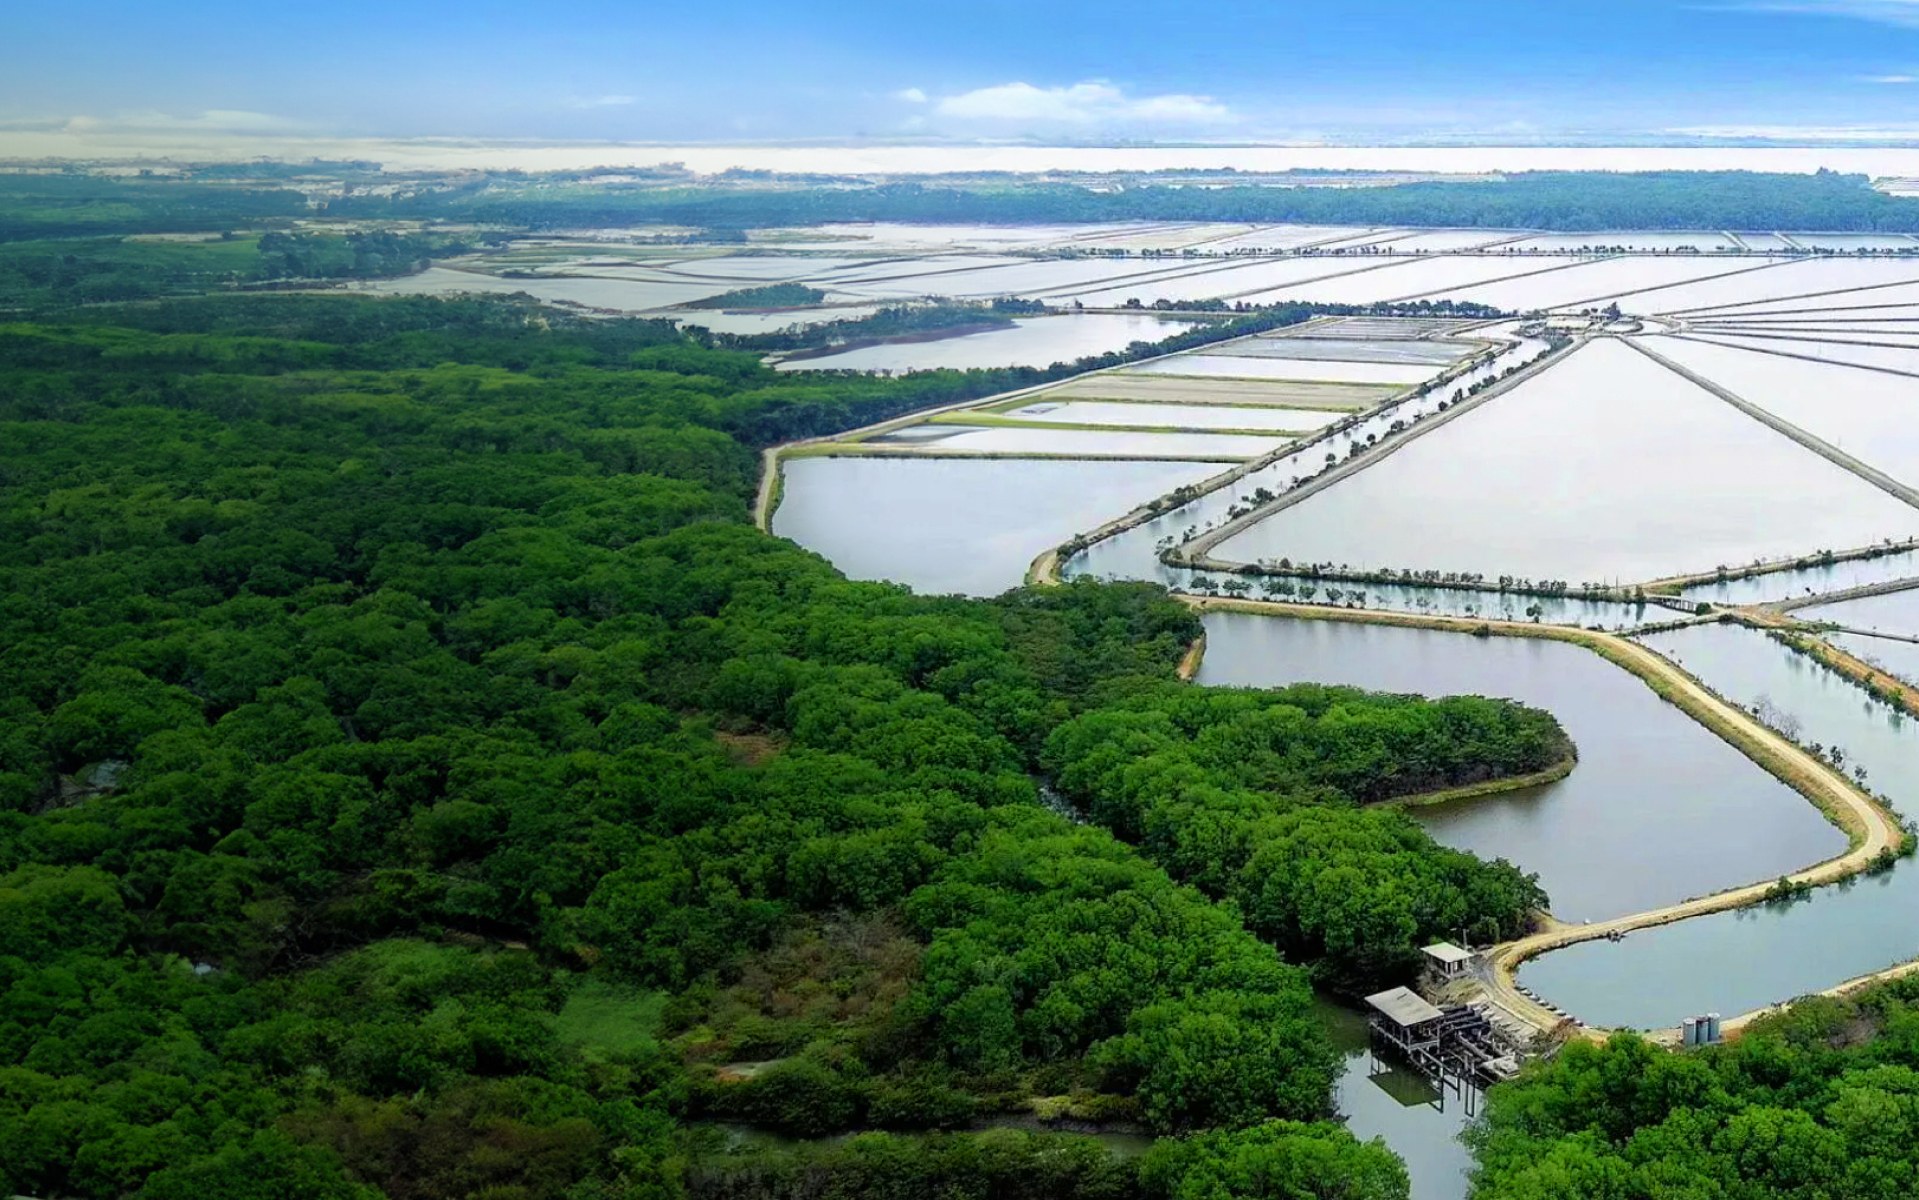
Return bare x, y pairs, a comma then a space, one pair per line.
1869, 827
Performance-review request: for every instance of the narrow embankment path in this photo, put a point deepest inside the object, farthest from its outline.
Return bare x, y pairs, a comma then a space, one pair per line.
1870, 829
1819, 446
1197, 553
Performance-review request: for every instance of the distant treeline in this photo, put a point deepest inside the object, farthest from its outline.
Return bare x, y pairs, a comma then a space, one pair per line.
1557, 200
66, 271
771, 295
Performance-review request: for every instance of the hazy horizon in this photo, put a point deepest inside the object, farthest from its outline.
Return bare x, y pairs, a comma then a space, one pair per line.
110, 74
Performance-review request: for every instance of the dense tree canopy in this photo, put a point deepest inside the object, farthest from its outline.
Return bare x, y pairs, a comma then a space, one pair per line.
1821, 1102
1561, 200
1256, 795
417, 779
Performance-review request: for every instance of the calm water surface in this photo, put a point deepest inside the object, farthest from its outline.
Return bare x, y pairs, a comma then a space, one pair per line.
1606, 468
1379, 1099
1737, 961
1868, 414
957, 525
1178, 416
1895, 612
1028, 342
1007, 439
1229, 366
1641, 822
1788, 585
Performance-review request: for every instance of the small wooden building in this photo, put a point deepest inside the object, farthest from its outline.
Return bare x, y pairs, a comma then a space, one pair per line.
1406, 1021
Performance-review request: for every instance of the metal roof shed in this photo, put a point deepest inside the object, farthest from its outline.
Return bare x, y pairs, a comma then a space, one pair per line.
1403, 1007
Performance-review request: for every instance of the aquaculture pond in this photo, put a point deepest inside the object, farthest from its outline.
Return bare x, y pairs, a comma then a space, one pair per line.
1596, 280
1415, 276
1830, 280
765, 321
1886, 358
1113, 385
1640, 823
1868, 414
1808, 581
1228, 366
957, 525
1134, 554
1209, 280
1894, 612
1896, 656
1734, 962
1027, 342
1175, 416
1383, 350
1008, 439
1606, 468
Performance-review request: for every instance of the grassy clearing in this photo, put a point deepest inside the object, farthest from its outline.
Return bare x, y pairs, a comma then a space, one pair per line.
606, 1020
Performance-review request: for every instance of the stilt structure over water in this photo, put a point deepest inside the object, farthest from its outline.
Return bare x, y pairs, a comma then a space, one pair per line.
1456, 1043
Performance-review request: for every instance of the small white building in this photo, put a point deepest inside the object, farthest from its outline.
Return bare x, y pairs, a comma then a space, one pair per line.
1448, 962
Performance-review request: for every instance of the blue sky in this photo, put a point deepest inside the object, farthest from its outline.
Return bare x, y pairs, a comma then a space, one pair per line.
1056, 70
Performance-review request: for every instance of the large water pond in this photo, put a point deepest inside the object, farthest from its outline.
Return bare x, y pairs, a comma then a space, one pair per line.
1868, 414
1113, 385
1737, 961
1134, 554
1894, 612
1207, 280
1027, 342
1597, 280
957, 525
1641, 822
1606, 468
1885, 358
1811, 581
769, 321
1383, 350
1826, 278
1630, 240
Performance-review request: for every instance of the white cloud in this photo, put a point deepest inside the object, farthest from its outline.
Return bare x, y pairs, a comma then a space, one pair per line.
1885, 12
1087, 104
1889, 79
910, 95
605, 101
212, 120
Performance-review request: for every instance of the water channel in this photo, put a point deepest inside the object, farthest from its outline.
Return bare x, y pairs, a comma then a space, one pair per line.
1639, 824
1736, 961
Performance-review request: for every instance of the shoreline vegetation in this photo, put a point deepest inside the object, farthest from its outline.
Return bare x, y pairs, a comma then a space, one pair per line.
1874, 832
1864, 852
